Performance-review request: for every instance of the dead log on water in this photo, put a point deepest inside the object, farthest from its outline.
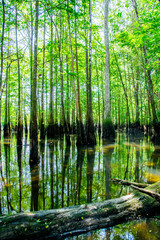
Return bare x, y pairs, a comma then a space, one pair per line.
138, 186
129, 183
150, 193
60, 223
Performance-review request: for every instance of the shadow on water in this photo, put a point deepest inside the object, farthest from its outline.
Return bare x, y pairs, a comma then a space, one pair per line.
65, 167
90, 171
35, 180
42, 152
51, 158
80, 160
7, 181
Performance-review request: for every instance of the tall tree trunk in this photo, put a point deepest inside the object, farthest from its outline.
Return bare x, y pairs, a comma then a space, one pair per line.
31, 63
68, 95
91, 138
136, 94
125, 91
42, 127
1, 71
50, 129
64, 122
80, 128
34, 128
108, 128
7, 106
56, 97
74, 84
86, 54
99, 106
6, 127
20, 128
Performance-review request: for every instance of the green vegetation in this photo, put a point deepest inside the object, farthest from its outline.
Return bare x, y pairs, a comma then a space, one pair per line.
55, 65
74, 69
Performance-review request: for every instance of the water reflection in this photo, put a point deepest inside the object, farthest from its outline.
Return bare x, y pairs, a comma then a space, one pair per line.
42, 152
19, 158
34, 186
67, 175
154, 166
148, 229
90, 165
51, 158
80, 160
65, 167
108, 149
7, 180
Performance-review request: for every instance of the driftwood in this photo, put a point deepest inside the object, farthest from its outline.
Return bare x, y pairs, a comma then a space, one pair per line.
60, 223
129, 183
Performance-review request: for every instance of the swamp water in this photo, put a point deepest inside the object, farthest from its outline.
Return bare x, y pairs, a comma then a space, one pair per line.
67, 176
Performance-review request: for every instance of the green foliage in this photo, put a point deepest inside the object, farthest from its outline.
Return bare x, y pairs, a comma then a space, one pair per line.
128, 35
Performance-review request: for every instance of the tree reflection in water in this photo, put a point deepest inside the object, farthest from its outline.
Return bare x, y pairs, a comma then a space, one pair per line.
67, 175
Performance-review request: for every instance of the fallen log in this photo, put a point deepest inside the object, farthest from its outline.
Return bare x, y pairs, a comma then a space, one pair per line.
60, 223
129, 183
150, 193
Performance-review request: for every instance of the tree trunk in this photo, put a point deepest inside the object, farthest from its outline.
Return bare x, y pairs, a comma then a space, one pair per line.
20, 128
64, 124
7, 106
31, 63
34, 128
99, 106
80, 128
6, 126
50, 129
125, 91
60, 223
68, 96
42, 126
56, 97
91, 138
73, 71
1, 71
136, 92
108, 128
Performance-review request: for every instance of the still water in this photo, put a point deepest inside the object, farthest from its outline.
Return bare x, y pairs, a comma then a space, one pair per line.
67, 176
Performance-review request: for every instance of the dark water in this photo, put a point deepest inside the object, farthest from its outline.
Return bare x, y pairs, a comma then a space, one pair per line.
67, 176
